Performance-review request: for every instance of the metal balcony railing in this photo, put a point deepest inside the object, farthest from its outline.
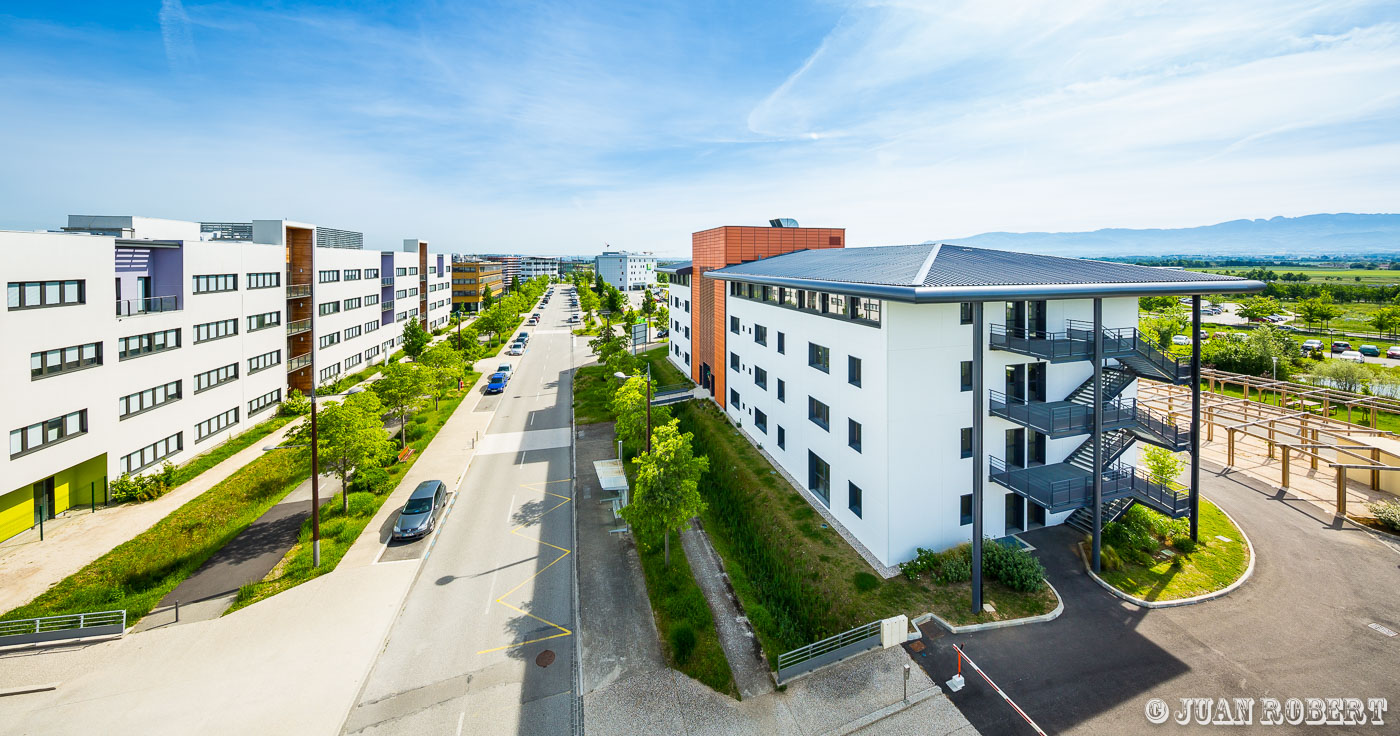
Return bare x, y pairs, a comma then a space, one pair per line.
1160, 496
1061, 486
298, 291
299, 326
386, 281
1129, 348
299, 362
1060, 418
386, 306
1055, 347
148, 305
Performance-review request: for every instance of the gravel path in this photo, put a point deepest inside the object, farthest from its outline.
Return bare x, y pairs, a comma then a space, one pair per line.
746, 660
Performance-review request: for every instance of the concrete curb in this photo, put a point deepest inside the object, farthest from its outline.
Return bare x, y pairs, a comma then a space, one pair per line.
970, 628
1248, 571
27, 689
883, 713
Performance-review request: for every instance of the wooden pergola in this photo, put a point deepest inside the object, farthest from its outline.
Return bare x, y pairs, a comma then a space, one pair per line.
1296, 433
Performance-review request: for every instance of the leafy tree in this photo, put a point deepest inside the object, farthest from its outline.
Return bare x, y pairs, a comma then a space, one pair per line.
1343, 374
668, 485
349, 437
444, 367
1259, 307
614, 300
1155, 303
1318, 310
487, 297
415, 338
495, 321
1162, 326
296, 404
514, 284
1253, 355
401, 389
629, 406
1163, 465
1386, 320
648, 304
661, 319
467, 342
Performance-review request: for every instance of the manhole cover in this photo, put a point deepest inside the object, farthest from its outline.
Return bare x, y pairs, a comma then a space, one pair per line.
545, 658
917, 646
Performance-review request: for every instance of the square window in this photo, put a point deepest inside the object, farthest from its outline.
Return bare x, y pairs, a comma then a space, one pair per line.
966, 442
853, 370
965, 509
853, 434
818, 357
966, 373
853, 498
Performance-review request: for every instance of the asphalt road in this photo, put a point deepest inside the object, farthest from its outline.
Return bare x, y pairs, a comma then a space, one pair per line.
484, 643
1300, 627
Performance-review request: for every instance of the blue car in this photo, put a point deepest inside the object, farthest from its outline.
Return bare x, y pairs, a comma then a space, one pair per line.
496, 383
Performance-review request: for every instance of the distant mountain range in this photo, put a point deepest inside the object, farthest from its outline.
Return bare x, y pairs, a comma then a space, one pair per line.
1311, 235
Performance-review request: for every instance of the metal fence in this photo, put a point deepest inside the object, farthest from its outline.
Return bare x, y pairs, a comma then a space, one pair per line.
56, 628
831, 649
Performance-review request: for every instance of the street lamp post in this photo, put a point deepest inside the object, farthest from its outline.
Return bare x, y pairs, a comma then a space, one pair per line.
1275, 373
315, 480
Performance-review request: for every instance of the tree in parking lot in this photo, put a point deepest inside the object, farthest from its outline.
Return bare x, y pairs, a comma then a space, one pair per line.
401, 389
349, 437
668, 485
1259, 307
1386, 320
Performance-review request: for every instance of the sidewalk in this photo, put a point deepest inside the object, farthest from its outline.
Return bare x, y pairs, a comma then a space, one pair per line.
746, 661
30, 567
317, 641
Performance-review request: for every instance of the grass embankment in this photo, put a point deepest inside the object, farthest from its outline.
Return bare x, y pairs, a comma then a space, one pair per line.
137, 574
231, 447
340, 530
663, 371
798, 579
688, 635
593, 390
1210, 565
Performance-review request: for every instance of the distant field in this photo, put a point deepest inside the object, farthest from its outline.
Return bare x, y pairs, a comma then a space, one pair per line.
1324, 275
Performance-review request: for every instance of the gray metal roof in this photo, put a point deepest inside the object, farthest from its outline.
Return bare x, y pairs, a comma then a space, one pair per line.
934, 273
677, 267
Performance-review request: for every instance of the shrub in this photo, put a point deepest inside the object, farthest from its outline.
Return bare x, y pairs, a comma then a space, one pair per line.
414, 432
296, 404
865, 582
373, 479
363, 504
140, 488
1014, 567
1109, 558
1184, 543
682, 642
1387, 513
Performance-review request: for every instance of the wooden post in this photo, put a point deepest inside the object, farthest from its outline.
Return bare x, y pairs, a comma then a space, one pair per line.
1285, 466
1271, 439
1314, 450
1375, 411
1342, 491
1246, 391
1230, 448
1348, 412
1376, 473
1327, 406
1210, 424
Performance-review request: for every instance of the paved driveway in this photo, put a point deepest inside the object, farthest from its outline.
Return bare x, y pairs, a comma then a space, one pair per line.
1297, 628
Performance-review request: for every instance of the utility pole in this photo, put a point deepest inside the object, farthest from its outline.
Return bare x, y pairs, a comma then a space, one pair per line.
648, 408
315, 478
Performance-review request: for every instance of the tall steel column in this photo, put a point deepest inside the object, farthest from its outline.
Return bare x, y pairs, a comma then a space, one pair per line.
979, 460
1098, 429
1195, 413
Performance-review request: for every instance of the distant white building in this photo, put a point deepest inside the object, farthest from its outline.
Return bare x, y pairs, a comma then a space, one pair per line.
627, 271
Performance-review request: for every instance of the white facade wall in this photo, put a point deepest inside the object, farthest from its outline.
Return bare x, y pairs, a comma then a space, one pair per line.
439, 290
627, 271
910, 405
679, 304
354, 349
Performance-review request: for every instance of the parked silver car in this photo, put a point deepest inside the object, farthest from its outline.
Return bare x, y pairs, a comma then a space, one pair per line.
420, 514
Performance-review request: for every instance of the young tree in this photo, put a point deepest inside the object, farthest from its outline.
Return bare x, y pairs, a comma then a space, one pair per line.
467, 342
648, 304
1163, 465
629, 405
415, 338
661, 319
1343, 374
1162, 326
668, 485
1259, 307
495, 320
297, 404
487, 298
1319, 310
445, 367
401, 390
1386, 319
349, 437
514, 284
615, 300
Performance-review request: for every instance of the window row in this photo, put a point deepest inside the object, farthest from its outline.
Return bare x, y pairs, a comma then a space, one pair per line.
64, 360
151, 342
264, 361
263, 321
215, 424
372, 325
353, 332
371, 299
854, 308
217, 377
35, 294
329, 340
330, 372
327, 277
262, 402
354, 302
352, 274
151, 454
371, 273
353, 361
329, 308
133, 404
215, 330
264, 280
28, 439
215, 283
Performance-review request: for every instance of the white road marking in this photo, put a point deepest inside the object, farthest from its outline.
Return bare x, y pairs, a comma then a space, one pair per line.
513, 442
511, 509
460, 718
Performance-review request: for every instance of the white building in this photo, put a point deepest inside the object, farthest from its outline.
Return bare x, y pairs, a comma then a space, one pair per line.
862, 373
627, 271
534, 266
678, 302
147, 341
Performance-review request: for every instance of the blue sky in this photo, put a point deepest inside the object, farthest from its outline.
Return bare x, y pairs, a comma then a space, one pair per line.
549, 127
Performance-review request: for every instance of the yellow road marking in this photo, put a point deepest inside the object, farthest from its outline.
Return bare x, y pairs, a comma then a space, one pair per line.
564, 553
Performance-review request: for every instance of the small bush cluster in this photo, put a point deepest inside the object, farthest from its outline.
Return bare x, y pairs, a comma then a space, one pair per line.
1140, 532
1387, 513
682, 642
1013, 567
140, 488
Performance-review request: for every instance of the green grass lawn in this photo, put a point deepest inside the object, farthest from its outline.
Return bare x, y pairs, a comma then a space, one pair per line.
338, 529
231, 447
137, 574
663, 371
1323, 274
677, 602
593, 390
817, 554
1385, 420
1214, 564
